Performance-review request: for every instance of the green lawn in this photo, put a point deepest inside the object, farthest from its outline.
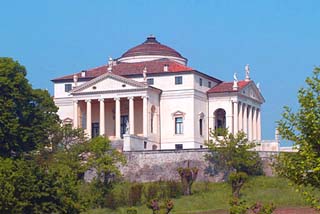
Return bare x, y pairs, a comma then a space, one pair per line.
215, 196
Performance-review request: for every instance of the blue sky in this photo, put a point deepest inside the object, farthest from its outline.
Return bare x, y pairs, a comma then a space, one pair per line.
278, 38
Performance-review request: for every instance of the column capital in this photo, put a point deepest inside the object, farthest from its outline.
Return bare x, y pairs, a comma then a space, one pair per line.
145, 97
100, 99
130, 98
75, 101
116, 98
88, 101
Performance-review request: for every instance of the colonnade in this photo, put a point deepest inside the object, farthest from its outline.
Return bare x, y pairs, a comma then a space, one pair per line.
247, 118
117, 122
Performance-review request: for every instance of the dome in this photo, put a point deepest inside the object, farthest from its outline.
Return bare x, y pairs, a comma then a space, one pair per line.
151, 49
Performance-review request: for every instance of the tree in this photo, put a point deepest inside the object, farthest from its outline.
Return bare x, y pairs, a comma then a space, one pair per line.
188, 176
303, 129
27, 116
231, 154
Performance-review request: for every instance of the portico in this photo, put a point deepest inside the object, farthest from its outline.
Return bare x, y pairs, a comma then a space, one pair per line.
114, 116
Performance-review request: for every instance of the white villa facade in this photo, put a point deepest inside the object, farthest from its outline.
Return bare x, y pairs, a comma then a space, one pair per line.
149, 99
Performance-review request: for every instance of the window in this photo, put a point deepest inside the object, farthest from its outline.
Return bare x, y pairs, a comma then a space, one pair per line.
200, 126
209, 84
179, 125
179, 146
145, 144
67, 87
200, 81
150, 81
95, 130
178, 80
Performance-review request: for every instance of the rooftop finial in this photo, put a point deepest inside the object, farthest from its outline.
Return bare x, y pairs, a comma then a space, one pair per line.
247, 69
235, 82
151, 39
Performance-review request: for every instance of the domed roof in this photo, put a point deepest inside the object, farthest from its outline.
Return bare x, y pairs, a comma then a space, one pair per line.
151, 47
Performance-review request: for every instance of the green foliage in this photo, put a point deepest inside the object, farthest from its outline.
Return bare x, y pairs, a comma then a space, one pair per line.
259, 208
188, 176
26, 188
237, 180
230, 152
303, 128
27, 116
132, 210
135, 194
158, 207
238, 206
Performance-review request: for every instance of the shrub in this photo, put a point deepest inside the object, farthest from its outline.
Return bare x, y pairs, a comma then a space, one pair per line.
152, 191
238, 206
135, 194
132, 210
174, 189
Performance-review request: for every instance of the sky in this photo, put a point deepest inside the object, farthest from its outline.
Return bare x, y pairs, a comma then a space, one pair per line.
278, 38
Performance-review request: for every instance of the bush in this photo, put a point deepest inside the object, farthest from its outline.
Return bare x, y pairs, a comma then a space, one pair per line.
152, 191
174, 189
135, 194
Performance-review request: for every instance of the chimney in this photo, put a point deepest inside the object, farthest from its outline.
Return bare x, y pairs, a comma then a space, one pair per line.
75, 80
166, 68
83, 73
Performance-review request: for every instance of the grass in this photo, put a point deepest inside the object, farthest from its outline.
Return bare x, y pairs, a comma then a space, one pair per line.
216, 196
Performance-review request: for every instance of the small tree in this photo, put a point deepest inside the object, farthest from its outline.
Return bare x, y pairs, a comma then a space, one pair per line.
231, 154
303, 129
188, 176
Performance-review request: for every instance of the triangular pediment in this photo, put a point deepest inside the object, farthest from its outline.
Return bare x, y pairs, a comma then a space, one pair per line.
253, 92
108, 82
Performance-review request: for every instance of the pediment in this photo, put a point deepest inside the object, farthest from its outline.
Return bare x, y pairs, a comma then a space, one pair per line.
252, 91
108, 82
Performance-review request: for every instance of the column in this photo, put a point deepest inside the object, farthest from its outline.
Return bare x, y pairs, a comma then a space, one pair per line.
102, 118
145, 116
131, 116
240, 117
259, 124
250, 123
254, 124
88, 118
235, 118
117, 118
75, 114
245, 119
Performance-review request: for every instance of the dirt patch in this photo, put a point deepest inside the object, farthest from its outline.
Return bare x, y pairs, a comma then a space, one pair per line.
288, 210
297, 210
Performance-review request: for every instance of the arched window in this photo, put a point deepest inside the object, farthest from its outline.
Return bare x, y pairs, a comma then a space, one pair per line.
220, 118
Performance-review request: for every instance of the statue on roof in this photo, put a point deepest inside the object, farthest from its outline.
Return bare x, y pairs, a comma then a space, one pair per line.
247, 69
145, 73
235, 78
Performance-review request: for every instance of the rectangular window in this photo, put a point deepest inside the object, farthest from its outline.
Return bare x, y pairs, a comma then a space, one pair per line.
178, 125
145, 144
209, 84
150, 81
179, 146
178, 80
67, 87
200, 81
95, 130
200, 126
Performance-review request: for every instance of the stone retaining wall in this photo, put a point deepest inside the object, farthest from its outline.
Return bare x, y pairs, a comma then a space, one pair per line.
145, 166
